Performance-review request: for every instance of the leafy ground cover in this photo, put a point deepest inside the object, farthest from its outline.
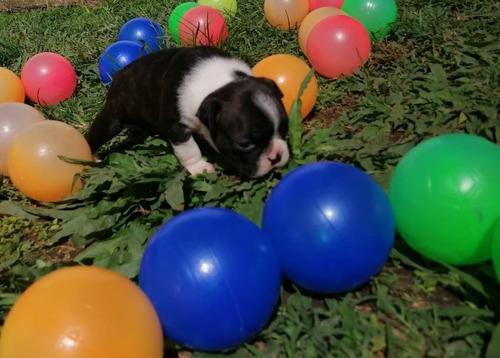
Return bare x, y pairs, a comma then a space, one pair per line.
437, 72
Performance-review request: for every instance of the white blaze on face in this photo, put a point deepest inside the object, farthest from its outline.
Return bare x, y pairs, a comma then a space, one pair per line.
277, 148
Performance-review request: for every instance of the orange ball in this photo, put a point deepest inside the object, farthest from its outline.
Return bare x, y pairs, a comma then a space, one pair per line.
285, 14
312, 19
82, 312
288, 72
34, 164
11, 87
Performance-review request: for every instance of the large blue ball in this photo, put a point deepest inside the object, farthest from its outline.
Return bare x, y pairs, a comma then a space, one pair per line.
332, 226
213, 278
145, 32
117, 56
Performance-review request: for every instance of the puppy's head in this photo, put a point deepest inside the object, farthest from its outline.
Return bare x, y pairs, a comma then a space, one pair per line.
248, 125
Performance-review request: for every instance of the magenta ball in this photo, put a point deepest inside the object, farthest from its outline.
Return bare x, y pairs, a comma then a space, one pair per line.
338, 45
48, 78
316, 4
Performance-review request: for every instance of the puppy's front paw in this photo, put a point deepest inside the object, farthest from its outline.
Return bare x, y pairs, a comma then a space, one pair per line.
200, 167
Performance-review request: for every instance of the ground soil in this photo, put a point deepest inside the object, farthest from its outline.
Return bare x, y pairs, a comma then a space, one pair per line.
17, 5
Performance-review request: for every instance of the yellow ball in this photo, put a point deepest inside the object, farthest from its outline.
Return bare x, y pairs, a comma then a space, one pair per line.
286, 14
226, 7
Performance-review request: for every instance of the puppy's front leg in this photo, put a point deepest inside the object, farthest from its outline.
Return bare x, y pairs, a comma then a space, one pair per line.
189, 156
181, 137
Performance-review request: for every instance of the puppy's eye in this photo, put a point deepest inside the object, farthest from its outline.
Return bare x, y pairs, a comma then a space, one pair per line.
256, 135
244, 145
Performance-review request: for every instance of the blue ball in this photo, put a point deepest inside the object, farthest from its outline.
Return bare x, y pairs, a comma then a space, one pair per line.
145, 32
213, 278
117, 56
332, 226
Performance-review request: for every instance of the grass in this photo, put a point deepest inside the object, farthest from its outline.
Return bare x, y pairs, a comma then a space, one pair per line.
437, 72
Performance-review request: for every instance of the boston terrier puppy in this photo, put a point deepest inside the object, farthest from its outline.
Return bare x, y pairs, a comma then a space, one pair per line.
198, 90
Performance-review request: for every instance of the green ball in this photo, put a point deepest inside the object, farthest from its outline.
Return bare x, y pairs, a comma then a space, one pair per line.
175, 19
445, 194
377, 16
225, 7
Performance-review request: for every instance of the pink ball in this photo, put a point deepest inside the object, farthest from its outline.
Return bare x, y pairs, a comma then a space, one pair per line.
338, 45
48, 78
316, 4
202, 25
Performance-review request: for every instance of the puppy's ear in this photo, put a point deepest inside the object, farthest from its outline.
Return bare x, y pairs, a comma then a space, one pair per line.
208, 111
273, 87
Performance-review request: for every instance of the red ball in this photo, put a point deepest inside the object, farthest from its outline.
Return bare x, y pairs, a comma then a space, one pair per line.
316, 4
202, 25
338, 45
48, 78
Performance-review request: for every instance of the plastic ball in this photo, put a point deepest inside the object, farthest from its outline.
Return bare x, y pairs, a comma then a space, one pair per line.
317, 4
117, 56
288, 72
286, 14
202, 25
377, 16
175, 19
311, 20
48, 78
445, 193
332, 226
213, 278
11, 87
145, 32
81, 312
338, 45
34, 164
226, 7
14, 118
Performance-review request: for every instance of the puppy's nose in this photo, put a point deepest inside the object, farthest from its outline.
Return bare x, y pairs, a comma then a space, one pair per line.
276, 159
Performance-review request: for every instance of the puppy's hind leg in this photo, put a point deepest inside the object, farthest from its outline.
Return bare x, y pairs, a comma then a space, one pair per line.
104, 127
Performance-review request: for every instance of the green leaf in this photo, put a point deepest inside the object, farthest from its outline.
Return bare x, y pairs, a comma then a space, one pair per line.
438, 71
174, 194
295, 117
8, 299
470, 280
453, 312
101, 248
14, 209
493, 350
